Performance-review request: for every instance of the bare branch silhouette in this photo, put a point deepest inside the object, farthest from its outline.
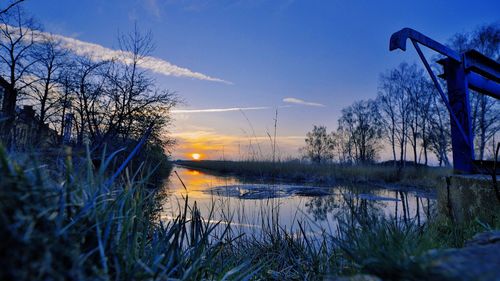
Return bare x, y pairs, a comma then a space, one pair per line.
10, 6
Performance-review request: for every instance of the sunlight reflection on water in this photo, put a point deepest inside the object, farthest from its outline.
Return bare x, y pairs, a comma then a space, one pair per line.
251, 206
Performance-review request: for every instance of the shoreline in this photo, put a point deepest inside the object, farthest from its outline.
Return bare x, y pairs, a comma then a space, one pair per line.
375, 175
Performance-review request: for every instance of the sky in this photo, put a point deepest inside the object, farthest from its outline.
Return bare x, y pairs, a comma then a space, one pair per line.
236, 64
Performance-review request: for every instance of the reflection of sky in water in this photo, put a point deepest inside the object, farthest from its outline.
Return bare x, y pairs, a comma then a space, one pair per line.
316, 212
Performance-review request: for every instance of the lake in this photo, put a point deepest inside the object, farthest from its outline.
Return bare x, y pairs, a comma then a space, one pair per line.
250, 206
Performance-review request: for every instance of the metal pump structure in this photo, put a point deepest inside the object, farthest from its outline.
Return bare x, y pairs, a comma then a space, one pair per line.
469, 70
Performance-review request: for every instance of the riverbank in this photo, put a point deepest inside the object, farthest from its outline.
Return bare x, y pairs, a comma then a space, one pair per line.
324, 174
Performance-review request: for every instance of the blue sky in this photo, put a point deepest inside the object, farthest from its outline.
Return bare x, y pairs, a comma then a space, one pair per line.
325, 52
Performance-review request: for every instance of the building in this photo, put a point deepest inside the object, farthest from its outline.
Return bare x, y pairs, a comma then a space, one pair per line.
25, 130
3, 85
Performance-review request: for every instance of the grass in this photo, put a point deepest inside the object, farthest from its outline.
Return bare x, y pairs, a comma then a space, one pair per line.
72, 223
77, 225
296, 171
394, 251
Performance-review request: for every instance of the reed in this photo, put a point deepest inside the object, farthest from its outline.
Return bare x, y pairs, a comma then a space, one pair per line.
72, 223
75, 225
297, 171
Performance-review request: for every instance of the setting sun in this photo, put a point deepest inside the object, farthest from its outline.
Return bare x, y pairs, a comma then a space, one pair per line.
196, 156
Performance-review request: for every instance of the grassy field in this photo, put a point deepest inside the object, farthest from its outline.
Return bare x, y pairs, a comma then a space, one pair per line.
71, 222
421, 176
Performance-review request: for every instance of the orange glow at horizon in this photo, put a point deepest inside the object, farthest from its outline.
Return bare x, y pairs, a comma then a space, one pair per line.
211, 145
196, 156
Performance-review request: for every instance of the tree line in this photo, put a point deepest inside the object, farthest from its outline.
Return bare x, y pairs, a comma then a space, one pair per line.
408, 118
96, 102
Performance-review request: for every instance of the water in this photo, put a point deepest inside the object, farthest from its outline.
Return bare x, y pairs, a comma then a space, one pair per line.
249, 206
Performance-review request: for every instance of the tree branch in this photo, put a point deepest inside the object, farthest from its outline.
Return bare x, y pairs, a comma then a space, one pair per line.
5, 10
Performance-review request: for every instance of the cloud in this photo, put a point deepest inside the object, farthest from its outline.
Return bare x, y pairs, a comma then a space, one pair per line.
213, 110
153, 8
98, 52
302, 102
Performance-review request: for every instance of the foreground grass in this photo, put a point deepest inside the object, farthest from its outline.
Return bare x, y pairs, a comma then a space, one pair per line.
421, 176
78, 225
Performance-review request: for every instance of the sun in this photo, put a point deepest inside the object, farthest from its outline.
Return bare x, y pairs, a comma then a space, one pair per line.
196, 156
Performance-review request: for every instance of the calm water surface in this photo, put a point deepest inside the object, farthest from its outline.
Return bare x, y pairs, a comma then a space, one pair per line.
251, 205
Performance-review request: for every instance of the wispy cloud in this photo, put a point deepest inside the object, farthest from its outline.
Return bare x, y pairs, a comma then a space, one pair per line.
100, 53
302, 102
213, 110
153, 7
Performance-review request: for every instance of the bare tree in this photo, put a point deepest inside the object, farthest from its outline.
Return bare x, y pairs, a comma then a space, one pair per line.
426, 114
88, 103
387, 100
439, 135
134, 100
400, 84
47, 90
485, 110
10, 6
107, 102
344, 147
415, 86
68, 90
362, 122
16, 42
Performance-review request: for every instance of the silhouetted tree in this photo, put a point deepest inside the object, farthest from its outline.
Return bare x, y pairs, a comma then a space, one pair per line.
387, 99
429, 93
107, 102
89, 105
320, 145
16, 43
46, 91
439, 135
399, 85
344, 147
362, 123
485, 110
419, 90
9, 6
134, 100
68, 89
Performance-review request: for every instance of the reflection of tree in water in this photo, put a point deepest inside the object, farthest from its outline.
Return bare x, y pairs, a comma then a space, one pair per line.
345, 200
321, 206
354, 205
423, 208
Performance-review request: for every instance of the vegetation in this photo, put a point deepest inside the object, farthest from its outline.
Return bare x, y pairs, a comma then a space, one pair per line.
76, 224
408, 118
395, 251
361, 126
319, 145
485, 111
74, 99
72, 213
297, 171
